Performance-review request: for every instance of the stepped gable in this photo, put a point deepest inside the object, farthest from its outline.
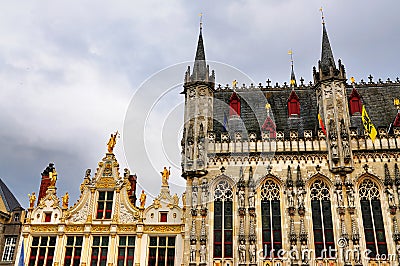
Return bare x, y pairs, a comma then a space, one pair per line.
8, 199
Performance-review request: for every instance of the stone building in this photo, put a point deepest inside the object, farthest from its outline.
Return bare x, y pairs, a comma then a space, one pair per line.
291, 174
104, 227
11, 218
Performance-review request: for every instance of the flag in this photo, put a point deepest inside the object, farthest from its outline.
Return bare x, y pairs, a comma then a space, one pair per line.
321, 124
21, 255
225, 125
369, 127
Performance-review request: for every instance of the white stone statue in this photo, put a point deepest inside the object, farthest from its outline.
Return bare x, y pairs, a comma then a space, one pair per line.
339, 195
241, 195
390, 195
350, 197
194, 197
291, 198
242, 252
251, 199
203, 252
300, 197
192, 253
252, 252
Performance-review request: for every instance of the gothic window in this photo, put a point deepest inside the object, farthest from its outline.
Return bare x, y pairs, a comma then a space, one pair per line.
269, 126
126, 250
99, 250
324, 242
42, 250
223, 220
271, 218
161, 251
234, 104
371, 210
293, 104
104, 204
355, 103
73, 251
9, 248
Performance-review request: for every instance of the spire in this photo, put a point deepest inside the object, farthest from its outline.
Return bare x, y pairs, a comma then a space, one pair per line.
200, 67
327, 59
292, 75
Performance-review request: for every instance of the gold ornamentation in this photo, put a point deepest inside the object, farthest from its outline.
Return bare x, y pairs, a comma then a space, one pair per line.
165, 176
65, 200
44, 228
156, 203
162, 228
32, 199
74, 228
100, 228
126, 228
142, 199
53, 178
112, 141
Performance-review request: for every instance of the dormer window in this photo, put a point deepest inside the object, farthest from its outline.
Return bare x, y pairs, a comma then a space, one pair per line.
104, 204
47, 217
293, 105
355, 103
163, 217
234, 105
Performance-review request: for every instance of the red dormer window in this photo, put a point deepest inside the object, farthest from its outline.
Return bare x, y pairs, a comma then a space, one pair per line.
269, 126
234, 105
293, 104
355, 103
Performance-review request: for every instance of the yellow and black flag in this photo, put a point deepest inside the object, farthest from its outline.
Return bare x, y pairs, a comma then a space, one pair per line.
369, 127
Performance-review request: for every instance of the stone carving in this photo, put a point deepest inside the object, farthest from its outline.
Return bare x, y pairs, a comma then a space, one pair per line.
300, 197
125, 216
192, 253
252, 252
204, 192
242, 252
81, 215
334, 149
350, 197
203, 252
390, 196
251, 199
339, 195
194, 197
241, 195
291, 197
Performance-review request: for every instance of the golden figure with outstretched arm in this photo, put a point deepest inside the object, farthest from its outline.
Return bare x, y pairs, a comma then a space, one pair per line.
165, 176
142, 199
112, 141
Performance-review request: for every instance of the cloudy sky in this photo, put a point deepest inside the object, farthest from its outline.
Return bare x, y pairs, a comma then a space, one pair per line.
72, 72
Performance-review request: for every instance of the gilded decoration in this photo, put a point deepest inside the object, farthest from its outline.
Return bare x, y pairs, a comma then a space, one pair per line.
106, 182
74, 228
162, 228
44, 228
100, 228
126, 228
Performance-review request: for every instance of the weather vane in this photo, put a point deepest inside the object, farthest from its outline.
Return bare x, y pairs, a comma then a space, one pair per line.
201, 20
322, 14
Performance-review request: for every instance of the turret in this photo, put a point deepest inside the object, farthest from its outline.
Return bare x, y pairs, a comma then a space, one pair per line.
199, 91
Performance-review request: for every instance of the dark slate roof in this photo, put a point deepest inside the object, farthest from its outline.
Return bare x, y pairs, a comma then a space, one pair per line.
377, 98
9, 199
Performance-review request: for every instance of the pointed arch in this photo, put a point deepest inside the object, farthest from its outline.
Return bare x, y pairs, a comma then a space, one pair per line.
223, 217
271, 218
321, 211
234, 105
372, 217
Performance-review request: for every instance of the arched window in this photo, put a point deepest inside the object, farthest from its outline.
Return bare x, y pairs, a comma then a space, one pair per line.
271, 218
371, 210
223, 220
293, 104
324, 242
234, 104
355, 103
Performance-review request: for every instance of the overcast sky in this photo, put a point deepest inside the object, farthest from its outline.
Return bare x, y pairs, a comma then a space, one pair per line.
69, 70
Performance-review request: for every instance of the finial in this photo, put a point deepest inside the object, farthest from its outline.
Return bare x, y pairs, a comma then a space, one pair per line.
322, 15
292, 76
267, 106
201, 21
396, 102
234, 83
290, 52
352, 80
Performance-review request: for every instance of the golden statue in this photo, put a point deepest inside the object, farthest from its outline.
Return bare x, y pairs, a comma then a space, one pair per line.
32, 199
165, 176
142, 199
175, 199
65, 200
53, 178
111, 143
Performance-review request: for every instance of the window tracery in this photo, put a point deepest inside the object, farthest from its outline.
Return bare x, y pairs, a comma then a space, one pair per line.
271, 218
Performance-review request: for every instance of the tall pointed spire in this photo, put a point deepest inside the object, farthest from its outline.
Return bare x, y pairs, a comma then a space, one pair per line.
327, 59
326, 65
200, 67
